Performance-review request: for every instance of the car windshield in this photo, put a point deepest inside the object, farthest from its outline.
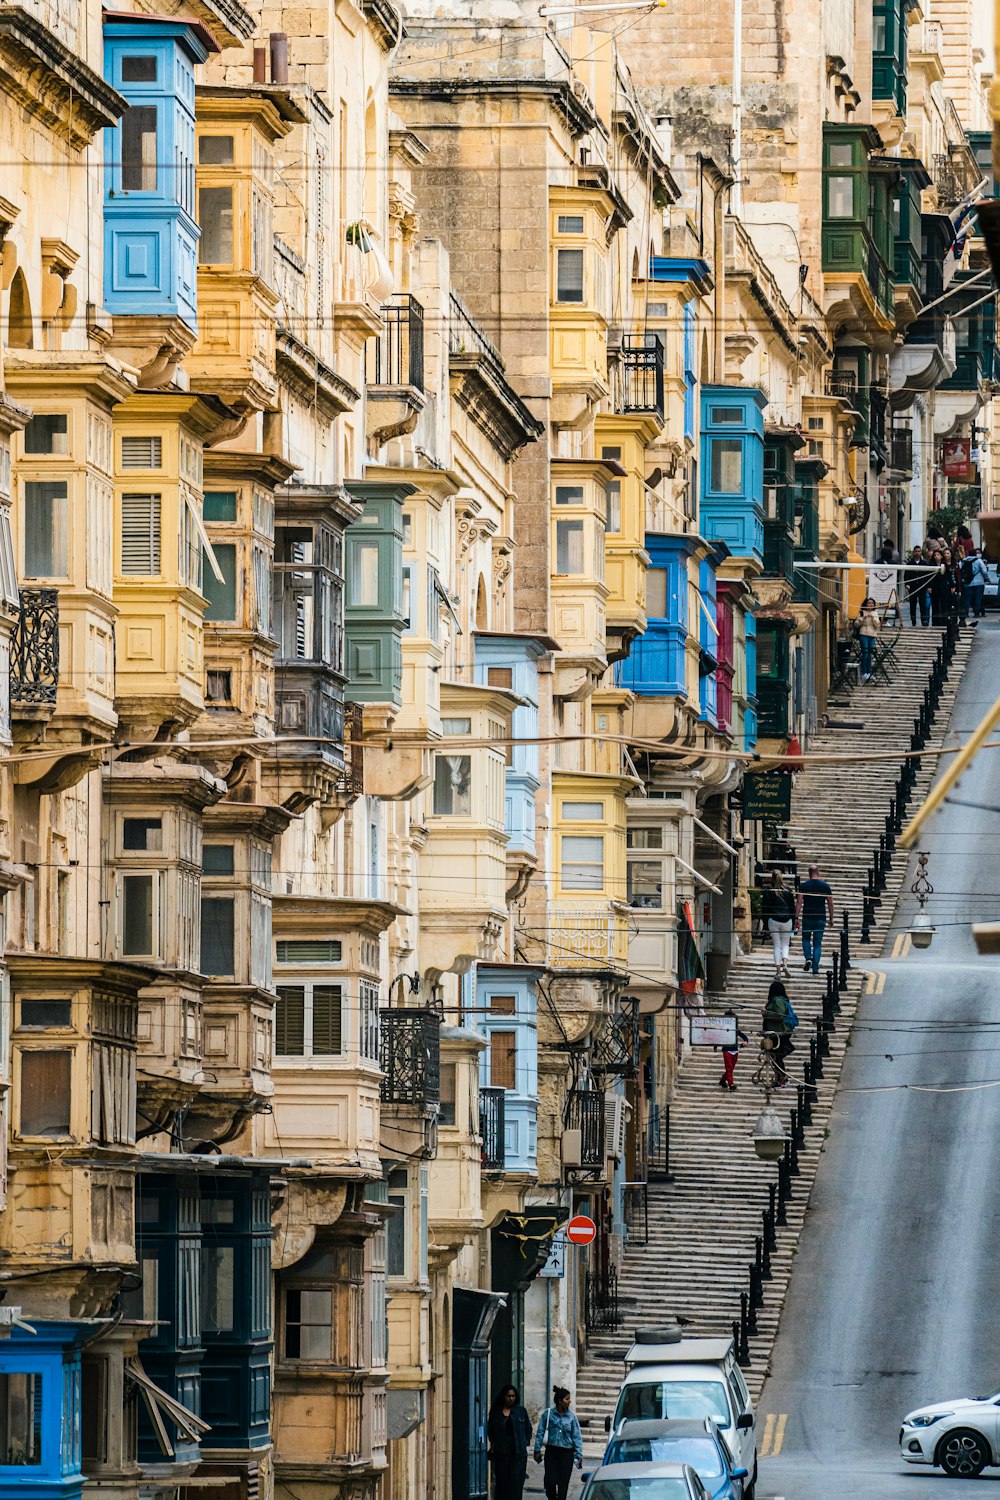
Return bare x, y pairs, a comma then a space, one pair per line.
701, 1453
690, 1399
639, 1489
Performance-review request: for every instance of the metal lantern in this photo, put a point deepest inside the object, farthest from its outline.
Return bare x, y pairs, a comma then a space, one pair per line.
922, 929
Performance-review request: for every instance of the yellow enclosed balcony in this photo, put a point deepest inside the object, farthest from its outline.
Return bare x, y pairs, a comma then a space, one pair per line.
236, 129
578, 591
588, 912
463, 868
159, 541
621, 439
578, 326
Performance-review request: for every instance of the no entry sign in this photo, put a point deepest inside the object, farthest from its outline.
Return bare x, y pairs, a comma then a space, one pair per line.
581, 1230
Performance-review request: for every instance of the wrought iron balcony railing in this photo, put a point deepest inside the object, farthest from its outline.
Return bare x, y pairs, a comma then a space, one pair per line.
614, 1047
901, 450
34, 648
410, 1057
640, 375
396, 357
842, 383
586, 1114
601, 1308
491, 1128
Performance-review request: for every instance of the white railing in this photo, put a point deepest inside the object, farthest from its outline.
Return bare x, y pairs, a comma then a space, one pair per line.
586, 937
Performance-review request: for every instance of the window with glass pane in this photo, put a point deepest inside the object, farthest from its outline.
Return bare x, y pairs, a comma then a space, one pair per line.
840, 154
840, 197
220, 505
218, 1267
46, 1081
20, 1419
727, 466
215, 215
218, 935
138, 70
446, 1103
407, 603
583, 812
138, 130
656, 593
218, 859
569, 494
503, 1059
46, 529
726, 416
766, 654
569, 275
141, 834
582, 863
221, 596
46, 1013
215, 150
644, 838
138, 899
453, 785
364, 574
645, 883
48, 432
569, 547
613, 509
569, 224
308, 1323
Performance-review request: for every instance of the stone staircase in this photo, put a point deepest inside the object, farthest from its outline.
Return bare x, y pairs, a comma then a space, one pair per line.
703, 1223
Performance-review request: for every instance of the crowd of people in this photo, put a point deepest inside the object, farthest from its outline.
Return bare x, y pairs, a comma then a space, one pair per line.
955, 583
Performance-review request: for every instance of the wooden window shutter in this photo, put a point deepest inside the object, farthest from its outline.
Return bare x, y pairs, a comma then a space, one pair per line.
290, 1021
326, 1020
141, 535
503, 1059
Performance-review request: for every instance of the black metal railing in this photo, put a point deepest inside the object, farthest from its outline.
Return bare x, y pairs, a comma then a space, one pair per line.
396, 357
34, 648
842, 384
640, 374
491, 1128
658, 1144
901, 449
352, 781
410, 1056
586, 1114
614, 1047
601, 1310
466, 337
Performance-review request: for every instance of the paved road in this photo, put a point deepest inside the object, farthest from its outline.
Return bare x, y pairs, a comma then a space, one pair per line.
893, 1301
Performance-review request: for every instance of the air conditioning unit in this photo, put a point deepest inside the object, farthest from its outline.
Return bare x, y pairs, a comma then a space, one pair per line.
572, 1148
615, 1117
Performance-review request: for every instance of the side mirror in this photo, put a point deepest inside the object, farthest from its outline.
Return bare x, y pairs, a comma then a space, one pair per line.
607, 1424
584, 1476
741, 1474
744, 1422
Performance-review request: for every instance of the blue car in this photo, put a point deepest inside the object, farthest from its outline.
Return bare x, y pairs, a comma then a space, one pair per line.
677, 1441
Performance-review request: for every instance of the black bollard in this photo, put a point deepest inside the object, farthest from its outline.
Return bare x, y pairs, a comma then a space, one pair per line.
765, 1254
805, 1106
866, 919
742, 1345
834, 976
770, 1238
756, 1284
786, 1162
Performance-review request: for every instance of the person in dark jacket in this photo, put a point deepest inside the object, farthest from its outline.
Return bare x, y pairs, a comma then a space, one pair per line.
778, 911
509, 1433
780, 1021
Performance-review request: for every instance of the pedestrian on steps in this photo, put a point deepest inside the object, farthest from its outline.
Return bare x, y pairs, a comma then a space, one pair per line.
559, 1434
730, 1054
779, 914
779, 1021
868, 629
509, 1433
814, 906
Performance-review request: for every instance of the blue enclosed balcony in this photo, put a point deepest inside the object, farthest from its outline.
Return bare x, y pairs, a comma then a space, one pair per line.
40, 1386
708, 641
656, 666
506, 1001
150, 231
732, 469
511, 662
750, 711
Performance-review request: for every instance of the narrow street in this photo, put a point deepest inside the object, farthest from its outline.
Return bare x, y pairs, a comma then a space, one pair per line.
891, 1302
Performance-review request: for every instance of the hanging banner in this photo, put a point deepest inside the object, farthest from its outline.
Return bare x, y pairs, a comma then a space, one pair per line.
883, 585
956, 456
712, 1031
767, 796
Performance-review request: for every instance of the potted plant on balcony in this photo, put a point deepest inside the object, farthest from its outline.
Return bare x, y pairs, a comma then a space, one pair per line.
376, 271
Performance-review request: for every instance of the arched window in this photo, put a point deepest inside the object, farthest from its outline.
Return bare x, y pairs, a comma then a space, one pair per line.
482, 608
20, 328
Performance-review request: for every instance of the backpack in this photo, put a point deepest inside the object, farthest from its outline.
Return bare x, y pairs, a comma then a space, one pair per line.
968, 570
790, 1015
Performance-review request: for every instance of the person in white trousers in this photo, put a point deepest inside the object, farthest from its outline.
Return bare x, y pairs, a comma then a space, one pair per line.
779, 914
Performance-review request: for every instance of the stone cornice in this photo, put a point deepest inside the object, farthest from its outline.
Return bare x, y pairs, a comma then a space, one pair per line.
574, 109
51, 83
385, 22
312, 381
490, 403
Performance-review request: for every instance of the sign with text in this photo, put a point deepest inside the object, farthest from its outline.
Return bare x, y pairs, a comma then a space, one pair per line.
956, 456
883, 585
713, 1031
555, 1266
767, 796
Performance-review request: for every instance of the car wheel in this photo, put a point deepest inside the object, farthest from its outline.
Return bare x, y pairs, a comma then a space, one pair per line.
750, 1490
963, 1454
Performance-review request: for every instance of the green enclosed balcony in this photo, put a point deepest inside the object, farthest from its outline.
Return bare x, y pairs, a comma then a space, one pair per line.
975, 342
808, 472
858, 250
908, 250
373, 617
889, 22
780, 491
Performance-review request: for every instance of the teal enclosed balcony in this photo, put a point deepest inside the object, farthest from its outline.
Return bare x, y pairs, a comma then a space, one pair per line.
773, 678
889, 22
374, 572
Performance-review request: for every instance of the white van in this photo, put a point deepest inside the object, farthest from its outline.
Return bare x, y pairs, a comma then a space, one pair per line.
690, 1378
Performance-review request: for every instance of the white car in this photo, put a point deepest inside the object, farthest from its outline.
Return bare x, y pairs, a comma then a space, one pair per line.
961, 1437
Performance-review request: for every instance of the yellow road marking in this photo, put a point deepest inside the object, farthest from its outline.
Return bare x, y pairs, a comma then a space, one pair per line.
765, 1442
897, 945
907, 942
779, 1434
880, 982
